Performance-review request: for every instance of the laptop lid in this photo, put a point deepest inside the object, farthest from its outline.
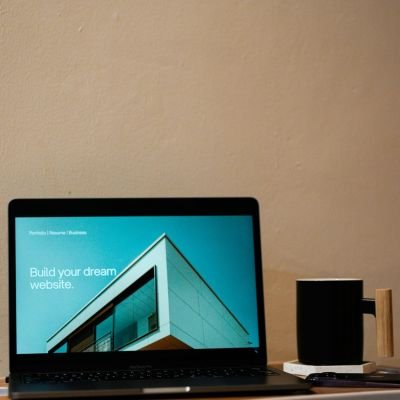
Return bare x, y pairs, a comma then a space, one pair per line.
106, 283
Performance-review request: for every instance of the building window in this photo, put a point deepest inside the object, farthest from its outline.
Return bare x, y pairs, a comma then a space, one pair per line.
62, 349
130, 316
104, 331
82, 340
134, 315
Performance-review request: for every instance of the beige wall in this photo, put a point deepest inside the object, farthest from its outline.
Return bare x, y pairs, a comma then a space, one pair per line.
294, 102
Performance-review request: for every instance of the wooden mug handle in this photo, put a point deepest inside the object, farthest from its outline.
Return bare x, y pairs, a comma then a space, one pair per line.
384, 322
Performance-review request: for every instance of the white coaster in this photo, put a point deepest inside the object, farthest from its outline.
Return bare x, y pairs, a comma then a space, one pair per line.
296, 368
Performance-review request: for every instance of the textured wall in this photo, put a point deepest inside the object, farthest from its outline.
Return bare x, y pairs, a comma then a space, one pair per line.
294, 102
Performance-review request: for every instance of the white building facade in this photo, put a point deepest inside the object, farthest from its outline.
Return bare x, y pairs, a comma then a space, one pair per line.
159, 301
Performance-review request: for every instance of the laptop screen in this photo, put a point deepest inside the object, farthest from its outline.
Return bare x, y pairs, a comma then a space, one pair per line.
145, 281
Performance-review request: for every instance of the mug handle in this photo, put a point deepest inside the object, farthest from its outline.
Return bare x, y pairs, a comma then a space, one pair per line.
381, 308
384, 322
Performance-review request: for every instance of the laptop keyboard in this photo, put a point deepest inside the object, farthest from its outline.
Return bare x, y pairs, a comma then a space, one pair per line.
143, 374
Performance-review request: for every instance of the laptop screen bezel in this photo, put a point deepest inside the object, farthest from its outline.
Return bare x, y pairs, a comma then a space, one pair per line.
135, 207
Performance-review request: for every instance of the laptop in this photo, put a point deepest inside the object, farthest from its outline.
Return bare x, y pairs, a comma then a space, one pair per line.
137, 297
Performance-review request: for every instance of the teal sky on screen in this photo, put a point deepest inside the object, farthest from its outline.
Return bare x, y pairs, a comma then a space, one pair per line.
220, 248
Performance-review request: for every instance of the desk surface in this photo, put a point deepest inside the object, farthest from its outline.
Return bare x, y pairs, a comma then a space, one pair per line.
316, 394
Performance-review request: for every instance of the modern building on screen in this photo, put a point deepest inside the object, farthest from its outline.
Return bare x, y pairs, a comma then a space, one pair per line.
159, 301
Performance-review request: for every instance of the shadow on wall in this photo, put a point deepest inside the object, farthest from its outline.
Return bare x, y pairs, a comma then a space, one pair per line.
280, 309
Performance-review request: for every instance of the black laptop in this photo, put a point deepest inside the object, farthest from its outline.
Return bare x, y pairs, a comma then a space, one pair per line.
137, 297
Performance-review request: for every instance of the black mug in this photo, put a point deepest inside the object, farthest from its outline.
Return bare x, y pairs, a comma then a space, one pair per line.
330, 321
